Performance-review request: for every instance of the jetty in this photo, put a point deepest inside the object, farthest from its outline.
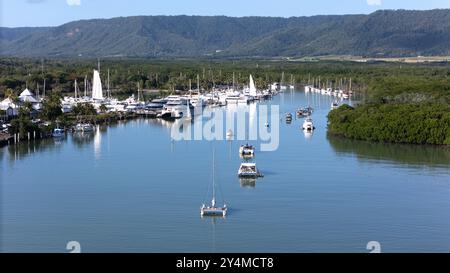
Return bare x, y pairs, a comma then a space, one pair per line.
5, 139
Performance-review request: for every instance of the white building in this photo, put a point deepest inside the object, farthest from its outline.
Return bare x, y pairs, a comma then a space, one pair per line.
28, 96
10, 107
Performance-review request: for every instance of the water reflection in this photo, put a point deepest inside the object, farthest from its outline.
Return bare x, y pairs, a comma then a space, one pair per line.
247, 182
97, 142
27, 148
81, 139
413, 155
213, 220
308, 134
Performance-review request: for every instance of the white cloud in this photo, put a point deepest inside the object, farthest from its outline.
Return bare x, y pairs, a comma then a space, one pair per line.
374, 2
73, 2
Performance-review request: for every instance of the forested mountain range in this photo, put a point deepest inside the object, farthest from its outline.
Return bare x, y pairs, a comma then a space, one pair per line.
384, 33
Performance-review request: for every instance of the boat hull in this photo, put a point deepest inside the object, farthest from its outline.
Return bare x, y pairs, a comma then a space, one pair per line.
213, 211
248, 175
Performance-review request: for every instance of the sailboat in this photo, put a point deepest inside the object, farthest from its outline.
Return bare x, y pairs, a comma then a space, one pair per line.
252, 89
282, 86
213, 210
292, 86
97, 90
76, 89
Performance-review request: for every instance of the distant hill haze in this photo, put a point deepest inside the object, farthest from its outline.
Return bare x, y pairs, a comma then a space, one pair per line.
397, 33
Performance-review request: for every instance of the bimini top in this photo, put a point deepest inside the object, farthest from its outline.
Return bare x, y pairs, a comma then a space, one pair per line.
248, 165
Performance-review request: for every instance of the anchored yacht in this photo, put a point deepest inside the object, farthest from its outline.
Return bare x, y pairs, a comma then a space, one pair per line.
308, 124
247, 150
213, 210
248, 170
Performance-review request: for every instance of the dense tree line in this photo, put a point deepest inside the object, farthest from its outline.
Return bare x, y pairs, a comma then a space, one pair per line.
418, 123
375, 81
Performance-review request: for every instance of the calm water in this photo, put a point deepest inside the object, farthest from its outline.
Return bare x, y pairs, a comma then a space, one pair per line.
129, 188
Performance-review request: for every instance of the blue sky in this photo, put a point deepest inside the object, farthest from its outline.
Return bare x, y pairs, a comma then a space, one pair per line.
15, 13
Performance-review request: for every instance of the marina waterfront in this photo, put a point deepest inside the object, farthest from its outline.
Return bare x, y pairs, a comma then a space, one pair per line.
128, 187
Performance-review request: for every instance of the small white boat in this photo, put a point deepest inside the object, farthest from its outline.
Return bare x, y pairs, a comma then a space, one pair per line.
58, 132
248, 170
171, 114
304, 112
308, 124
84, 127
247, 150
334, 105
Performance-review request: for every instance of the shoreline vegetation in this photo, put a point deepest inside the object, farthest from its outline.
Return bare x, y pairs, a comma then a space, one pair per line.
397, 102
399, 108
393, 123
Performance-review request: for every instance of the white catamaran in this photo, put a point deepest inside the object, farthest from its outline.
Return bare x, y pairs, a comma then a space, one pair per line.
213, 210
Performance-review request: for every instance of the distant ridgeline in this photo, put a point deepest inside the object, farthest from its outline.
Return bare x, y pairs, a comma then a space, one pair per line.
380, 34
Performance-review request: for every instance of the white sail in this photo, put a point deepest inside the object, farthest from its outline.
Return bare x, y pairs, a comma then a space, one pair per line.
252, 87
97, 91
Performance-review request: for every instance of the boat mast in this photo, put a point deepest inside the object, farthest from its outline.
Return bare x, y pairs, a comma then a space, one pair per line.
43, 76
198, 83
213, 202
190, 87
139, 92
233, 81
109, 92
85, 86
76, 87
